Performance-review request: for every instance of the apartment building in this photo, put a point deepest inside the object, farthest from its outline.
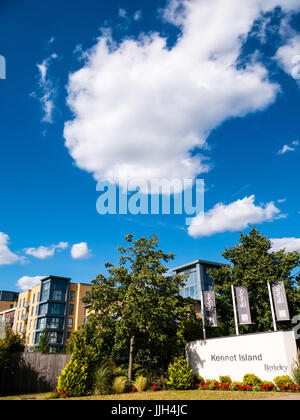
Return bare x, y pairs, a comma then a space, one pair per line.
8, 300
54, 305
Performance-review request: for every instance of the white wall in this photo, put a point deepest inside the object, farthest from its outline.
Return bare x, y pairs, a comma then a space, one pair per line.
267, 355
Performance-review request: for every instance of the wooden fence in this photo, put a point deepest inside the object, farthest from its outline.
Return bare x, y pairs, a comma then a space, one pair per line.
33, 372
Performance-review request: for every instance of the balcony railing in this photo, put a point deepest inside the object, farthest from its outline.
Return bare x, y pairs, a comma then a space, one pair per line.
24, 317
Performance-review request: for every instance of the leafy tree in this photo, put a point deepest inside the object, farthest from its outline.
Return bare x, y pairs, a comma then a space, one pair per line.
253, 264
137, 306
12, 343
43, 346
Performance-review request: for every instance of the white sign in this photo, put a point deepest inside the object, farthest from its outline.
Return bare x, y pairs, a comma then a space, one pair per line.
266, 355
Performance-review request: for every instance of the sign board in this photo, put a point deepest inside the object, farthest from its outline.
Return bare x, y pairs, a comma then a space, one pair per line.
266, 355
210, 313
243, 306
280, 301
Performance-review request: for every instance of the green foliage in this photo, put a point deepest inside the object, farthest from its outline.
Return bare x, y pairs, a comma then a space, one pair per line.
43, 346
251, 379
12, 343
119, 384
140, 383
75, 379
180, 376
103, 379
198, 379
296, 370
225, 379
253, 264
137, 300
283, 381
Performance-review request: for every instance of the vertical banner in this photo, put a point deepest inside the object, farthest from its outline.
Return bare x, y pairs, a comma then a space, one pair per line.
243, 306
210, 313
280, 301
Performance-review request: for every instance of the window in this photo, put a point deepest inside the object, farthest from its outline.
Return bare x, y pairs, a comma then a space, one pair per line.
30, 324
32, 310
72, 296
33, 298
70, 322
56, 308
45, 290
68, 335
71, 309
24, 301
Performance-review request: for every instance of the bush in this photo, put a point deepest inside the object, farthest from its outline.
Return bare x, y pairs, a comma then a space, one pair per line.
75, 378
119, 384
296, 370
140, 383
180, 376
283, 382
225, 379
103, 379
211, 381
251, 379
198, 380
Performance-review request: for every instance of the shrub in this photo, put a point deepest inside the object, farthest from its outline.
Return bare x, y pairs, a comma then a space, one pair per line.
211, 381
75, 378
251, 379
103, 379
140, 383
283, 382
296, 370
180, 376
225, 379
119, 384
198, 379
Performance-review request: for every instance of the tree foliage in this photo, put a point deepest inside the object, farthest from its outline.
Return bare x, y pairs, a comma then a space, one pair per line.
253, 264
137, 305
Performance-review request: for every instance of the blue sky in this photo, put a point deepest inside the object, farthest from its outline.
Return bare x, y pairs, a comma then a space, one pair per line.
178, 89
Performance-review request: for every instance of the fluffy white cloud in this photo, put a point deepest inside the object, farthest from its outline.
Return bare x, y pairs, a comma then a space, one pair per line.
80, 251
142, 110
232, 217
43, 252
289, 244
288, 56
7, 257
28, 282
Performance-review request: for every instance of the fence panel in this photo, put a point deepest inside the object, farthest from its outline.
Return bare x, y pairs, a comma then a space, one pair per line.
34, 372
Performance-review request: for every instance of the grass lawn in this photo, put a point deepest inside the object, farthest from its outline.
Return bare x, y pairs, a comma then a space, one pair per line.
160, 395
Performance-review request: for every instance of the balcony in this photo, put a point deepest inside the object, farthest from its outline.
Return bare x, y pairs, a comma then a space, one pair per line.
23, 331
24, 317
26, 304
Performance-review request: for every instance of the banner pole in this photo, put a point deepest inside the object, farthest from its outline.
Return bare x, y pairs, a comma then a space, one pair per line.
272, 307
203, 315
234, 310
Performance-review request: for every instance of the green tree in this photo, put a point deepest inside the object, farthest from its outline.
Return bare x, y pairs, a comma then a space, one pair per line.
137, 306
253, 264
12, 343
43, 346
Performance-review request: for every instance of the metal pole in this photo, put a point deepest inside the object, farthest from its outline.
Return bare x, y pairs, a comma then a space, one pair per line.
203, 315
272, 307
234, 310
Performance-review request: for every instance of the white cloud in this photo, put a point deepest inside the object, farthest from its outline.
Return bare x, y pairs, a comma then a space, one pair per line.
27, 282
289, 244
142, 109
80, 251
43, 252
7, 257
138, 15
288, 57
235, 216
47, 90
288, 148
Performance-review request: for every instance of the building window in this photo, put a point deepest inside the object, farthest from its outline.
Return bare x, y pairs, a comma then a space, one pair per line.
72, 296
32, 310
33, 298
68, 334
71, 309
70, 322
30, 324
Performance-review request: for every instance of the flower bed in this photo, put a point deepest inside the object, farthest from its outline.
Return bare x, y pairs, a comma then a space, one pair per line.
234, 386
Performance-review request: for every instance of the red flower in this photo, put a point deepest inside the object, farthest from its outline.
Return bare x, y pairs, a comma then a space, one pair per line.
153, 386
133, 388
